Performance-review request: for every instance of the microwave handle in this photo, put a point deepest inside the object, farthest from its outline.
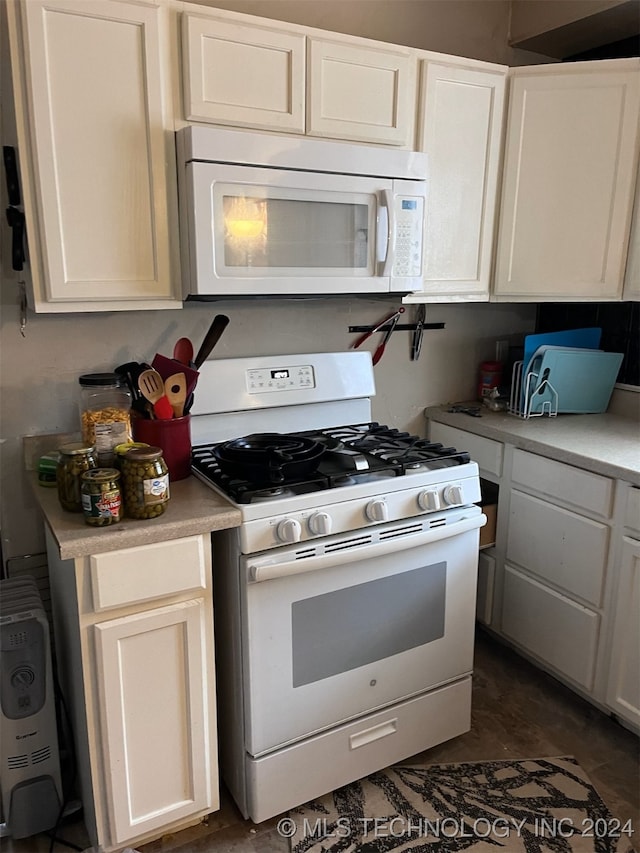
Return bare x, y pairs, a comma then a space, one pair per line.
383, 232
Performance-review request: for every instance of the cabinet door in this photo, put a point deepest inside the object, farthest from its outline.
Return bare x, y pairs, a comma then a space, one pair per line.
631, 290
156, 718
461, 131
623, 690
103, 186
366, 94
568, 184
247, 75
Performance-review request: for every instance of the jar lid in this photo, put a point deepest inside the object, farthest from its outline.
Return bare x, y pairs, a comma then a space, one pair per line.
491, 365
127, 446
143, 454
75, 448
101, 475
94, 379
48, 463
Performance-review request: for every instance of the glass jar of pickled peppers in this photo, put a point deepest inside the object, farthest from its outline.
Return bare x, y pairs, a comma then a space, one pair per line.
145, 482
101, 496
75, 458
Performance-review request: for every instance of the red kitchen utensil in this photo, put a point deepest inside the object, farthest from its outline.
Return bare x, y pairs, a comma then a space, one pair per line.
380, 350
393, 316
183, 351
163, 408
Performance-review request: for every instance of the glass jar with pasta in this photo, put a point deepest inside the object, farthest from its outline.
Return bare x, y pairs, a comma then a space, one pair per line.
105, 414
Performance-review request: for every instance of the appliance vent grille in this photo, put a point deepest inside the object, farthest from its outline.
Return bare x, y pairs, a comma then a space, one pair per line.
347, 544
441, 522
305, 554
40, 755
398, 532
14, 761
18, 638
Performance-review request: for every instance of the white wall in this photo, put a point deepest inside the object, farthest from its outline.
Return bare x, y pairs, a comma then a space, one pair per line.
38, 372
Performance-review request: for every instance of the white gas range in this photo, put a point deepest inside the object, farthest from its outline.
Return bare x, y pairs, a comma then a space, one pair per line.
345, 601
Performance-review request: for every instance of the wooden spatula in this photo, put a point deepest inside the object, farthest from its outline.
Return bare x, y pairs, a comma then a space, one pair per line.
152, 388
175, 389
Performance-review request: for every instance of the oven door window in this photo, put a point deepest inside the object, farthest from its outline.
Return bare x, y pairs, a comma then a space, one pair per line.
345, 629
323, 647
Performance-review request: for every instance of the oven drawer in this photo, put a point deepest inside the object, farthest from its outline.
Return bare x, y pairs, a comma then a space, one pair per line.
282, 780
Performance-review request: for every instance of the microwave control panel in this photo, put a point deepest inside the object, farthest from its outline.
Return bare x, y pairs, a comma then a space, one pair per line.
409, 215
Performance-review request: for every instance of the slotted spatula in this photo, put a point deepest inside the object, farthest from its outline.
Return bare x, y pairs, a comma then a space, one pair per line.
152, 387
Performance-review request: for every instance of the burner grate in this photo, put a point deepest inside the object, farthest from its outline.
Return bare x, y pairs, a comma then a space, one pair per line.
354, 453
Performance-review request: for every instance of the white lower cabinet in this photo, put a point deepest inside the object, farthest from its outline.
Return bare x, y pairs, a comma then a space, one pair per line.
134, 630
150, 695
623, 687
561, 585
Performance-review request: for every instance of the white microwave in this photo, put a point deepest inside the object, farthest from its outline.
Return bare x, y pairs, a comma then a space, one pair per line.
270, 215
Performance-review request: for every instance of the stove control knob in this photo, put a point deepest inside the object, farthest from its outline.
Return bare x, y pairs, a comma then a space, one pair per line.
289, 530
320, 524
377, 511
429, 499
452, 494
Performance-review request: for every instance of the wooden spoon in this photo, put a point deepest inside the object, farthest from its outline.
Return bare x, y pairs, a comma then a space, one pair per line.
175, 388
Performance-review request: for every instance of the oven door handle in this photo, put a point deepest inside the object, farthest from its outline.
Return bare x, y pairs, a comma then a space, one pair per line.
270, 571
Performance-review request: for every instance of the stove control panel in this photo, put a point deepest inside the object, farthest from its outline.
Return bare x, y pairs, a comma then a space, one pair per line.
280, 379
321, 518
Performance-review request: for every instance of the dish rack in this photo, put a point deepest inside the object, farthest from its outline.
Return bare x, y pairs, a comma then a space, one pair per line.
523, 390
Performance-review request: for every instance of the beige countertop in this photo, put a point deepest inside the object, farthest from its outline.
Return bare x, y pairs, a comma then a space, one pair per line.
193, 508
605, 444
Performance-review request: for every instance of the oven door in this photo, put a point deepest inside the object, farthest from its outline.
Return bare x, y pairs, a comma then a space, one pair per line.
356, 623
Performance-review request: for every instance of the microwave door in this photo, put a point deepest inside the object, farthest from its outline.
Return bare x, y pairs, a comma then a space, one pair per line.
284, 232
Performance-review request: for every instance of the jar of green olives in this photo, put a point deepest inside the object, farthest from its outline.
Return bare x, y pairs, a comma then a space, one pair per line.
101, 496
145, 482
75, 458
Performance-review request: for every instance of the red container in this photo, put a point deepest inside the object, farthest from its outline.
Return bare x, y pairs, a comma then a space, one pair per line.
173, 436
490, 378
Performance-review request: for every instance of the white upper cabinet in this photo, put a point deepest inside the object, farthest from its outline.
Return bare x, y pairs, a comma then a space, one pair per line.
632, 273
98, 171
366, 94
243, 74
568, 181
253, 72
460, 129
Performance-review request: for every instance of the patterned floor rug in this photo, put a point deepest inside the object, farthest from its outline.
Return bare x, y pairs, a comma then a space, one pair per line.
545, 805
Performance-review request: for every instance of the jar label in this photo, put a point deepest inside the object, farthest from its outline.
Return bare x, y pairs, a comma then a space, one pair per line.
156, 490
108, 435
104, 505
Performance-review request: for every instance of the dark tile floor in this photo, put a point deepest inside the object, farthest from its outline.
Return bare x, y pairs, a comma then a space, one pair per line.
518, 712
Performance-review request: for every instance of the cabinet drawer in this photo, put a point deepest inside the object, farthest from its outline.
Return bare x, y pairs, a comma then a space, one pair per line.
147, 572
550, 626
558, 545
486, 452
632, 511
565, 483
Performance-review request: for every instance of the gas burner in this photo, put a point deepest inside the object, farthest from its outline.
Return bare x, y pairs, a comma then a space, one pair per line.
271, 493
